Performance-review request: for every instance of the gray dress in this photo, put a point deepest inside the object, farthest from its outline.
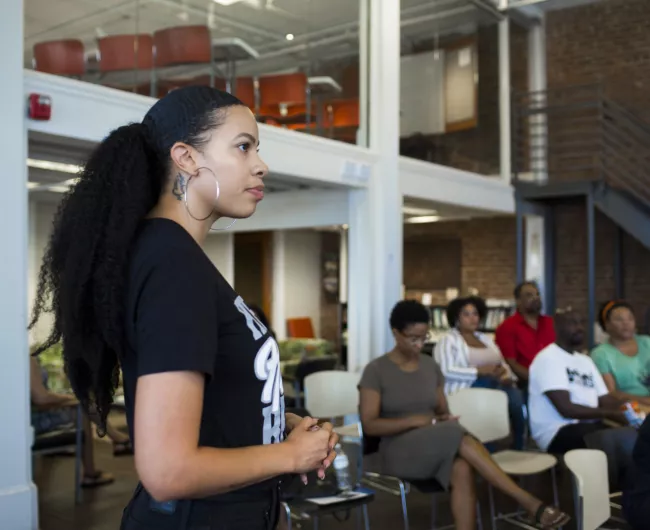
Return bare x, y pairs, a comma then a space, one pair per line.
418, 454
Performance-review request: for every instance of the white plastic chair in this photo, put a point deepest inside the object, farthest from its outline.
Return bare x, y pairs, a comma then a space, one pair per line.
484, 413
331, 394
589, 469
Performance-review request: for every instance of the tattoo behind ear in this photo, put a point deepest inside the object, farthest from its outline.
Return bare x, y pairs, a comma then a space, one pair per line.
179, 187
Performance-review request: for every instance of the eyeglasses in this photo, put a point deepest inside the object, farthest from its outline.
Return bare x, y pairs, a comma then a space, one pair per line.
416, 340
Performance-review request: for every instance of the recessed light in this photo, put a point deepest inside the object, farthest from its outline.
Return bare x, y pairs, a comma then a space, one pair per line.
57, 188
289, 36
423, 219
53, 166
413, 210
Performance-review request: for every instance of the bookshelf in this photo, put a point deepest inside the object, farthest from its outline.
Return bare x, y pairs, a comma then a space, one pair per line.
497, 312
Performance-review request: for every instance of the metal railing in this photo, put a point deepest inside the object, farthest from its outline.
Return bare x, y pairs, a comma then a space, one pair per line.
577, 133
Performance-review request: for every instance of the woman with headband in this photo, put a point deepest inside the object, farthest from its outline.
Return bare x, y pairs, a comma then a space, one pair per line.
624, 360
130, 286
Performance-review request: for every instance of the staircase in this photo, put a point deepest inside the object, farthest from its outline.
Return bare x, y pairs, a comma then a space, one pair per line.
574, 142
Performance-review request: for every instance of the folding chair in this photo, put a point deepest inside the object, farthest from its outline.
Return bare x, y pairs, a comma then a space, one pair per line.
589, 469
484, 413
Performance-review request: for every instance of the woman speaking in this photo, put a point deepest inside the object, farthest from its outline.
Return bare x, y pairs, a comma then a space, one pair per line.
130, 286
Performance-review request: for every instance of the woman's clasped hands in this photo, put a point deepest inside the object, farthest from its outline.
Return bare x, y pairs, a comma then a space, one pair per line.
312, 445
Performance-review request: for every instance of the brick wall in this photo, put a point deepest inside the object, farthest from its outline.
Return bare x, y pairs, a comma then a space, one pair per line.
488, 261
605, 42
487, 252
571, 262
487, 258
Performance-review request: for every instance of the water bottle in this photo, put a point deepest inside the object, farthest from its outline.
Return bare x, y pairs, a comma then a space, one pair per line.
631, 415
342, 470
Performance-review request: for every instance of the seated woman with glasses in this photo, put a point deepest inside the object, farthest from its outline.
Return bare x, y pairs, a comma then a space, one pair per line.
403, 403
469, 358
623, 361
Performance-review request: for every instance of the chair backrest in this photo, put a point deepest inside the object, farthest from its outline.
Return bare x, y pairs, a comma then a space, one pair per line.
182, 45
245, 91
60, 57
300, 328
345, 113
483, 412
332, 394
589, 468
118, 52
289, 89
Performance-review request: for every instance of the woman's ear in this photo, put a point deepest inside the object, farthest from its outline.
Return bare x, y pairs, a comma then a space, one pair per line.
184, 158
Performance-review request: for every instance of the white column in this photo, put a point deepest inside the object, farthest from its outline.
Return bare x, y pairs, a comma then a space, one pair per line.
385, 192
364, 44
504, 95
33, 263
278, 303
534, 238
360, 310
17, 491
375, 225
537, 85
343, 267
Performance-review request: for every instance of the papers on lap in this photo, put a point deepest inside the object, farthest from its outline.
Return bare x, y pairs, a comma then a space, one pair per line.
341, 497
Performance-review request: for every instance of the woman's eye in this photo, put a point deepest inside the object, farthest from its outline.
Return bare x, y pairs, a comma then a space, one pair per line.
244, 147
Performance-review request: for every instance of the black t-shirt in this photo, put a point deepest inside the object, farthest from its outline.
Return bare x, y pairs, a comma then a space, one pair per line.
182, 315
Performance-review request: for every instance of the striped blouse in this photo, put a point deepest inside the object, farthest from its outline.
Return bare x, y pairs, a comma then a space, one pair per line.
452, 354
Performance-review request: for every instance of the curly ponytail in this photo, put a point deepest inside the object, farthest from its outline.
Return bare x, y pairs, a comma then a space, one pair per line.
85, 259
82, 278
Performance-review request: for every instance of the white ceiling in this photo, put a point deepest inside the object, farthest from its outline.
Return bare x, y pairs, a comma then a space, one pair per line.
323, 29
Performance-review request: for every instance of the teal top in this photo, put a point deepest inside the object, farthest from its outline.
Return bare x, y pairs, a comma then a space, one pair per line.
632, 374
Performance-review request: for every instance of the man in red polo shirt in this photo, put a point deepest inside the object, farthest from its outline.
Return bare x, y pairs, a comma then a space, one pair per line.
523, 335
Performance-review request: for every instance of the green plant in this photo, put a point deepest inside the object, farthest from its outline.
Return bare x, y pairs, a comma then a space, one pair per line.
51, 360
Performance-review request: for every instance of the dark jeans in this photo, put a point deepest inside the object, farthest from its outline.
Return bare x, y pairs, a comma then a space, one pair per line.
617, 443
636, 500
515, 409
143, 513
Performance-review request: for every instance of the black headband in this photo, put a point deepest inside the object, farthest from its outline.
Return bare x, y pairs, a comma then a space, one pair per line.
172, 118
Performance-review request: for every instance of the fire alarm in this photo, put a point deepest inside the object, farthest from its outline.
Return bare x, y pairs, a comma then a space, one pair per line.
40, 107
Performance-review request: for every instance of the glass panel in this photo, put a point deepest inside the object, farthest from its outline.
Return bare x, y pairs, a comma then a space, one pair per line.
295, 62
449, 84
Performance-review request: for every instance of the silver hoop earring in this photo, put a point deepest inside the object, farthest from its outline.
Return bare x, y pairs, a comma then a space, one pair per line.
218, 194
222, 229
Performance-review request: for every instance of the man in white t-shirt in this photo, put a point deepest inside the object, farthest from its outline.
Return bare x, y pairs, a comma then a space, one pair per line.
568, 400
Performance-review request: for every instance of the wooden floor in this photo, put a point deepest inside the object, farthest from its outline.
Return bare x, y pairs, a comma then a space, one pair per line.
101, 508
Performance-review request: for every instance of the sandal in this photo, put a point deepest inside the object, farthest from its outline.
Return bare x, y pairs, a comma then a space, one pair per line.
122, 448
549, 517
94, 480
